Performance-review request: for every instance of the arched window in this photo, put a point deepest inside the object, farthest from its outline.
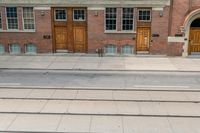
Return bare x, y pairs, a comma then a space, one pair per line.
15, 48
127, 49
110, 49
31, 48
2, 49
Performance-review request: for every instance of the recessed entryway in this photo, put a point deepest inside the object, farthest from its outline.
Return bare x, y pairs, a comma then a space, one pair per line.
69, 29
143, 39
194, 39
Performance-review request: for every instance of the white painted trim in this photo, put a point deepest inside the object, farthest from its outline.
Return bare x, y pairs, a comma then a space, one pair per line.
96, 8
119, 32
157, 9
85, 16
42, 8
105, 20
18, 31
176, 39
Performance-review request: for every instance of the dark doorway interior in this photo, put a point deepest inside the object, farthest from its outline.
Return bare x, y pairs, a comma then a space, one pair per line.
196, 23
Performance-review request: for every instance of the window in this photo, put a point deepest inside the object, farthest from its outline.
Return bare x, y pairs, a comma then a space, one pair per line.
15, 49
110, 49
127, 19
111, 18
0, 21
144, 15
79, 15
31, 48
60, 15
12, 17
2, 49
28, 17
127, 49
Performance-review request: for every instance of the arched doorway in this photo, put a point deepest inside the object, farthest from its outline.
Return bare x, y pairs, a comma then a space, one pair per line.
194, 37
193, 16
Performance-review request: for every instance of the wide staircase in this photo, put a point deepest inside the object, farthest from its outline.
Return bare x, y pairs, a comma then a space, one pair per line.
99, 110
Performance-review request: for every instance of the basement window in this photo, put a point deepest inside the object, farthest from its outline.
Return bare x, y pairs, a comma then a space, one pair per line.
127, 49
14, 48
110, 49
31, 49
2, 49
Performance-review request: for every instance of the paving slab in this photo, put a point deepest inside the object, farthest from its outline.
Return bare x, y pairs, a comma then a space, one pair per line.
131, 95
183, 109
9, 105
146, 125
94, 94
128, 108
105, 124
73, 123
168, 96
6, 120
41, 93
56, 106
152, 108
35, 123
185, 125
65, 94
30, 106
14, 93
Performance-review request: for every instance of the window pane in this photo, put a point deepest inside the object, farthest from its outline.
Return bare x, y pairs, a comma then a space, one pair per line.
79, 15
12, 17
144, 15
28, 17
111, 18
127, 20
0, 21
61, 14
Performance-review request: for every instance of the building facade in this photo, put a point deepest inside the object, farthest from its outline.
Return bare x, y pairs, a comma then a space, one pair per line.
169, 27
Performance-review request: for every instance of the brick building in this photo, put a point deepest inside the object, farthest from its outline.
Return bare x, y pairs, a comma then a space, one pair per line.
170, 27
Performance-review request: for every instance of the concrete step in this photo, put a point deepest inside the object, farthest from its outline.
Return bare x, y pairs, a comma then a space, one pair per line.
31, 123
100, 95
113, 108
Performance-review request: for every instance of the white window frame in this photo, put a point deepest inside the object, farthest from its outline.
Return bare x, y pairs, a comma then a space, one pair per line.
132, 50
60, 20
110, 31
23, 20
144, 10
84, 14
122, 20
7, 19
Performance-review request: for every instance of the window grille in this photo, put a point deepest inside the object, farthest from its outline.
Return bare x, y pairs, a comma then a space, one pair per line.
60, 15
127, 49
12, 19
28, 18
31, 48
0, 21
79, 15
127, 19
144, 15
111, 18
110, 49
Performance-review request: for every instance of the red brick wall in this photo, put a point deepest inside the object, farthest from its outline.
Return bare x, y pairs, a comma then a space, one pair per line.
43, 27
180, 10
97, 38
159, 26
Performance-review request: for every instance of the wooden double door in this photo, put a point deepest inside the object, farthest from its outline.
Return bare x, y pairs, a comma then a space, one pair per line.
69, 35
194, 41
143, 39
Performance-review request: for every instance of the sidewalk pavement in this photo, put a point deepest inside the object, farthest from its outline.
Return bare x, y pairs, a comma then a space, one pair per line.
133, 63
